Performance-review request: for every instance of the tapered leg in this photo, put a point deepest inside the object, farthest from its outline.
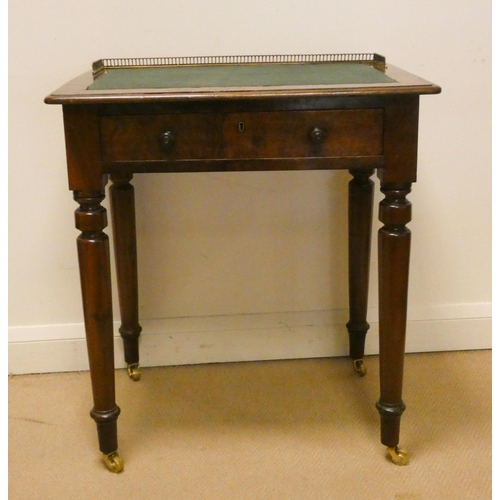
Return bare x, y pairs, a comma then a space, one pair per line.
394, 257
124, 237
360, 224
93, 257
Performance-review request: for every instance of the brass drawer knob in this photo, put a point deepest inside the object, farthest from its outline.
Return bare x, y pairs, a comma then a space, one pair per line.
317, 135
167, 139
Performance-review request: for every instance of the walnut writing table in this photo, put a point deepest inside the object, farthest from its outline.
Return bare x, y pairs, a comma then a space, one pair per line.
242, 113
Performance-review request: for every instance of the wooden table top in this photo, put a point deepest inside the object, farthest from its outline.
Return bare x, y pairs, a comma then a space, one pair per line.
226, 77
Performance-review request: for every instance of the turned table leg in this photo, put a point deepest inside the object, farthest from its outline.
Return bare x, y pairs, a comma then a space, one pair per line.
94, 262
124, 238
394, 256
360, 224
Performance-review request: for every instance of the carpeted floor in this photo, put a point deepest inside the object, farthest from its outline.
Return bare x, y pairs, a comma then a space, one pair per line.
300, 429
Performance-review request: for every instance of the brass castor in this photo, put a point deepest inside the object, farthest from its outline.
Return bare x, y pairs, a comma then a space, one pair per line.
359, 367
399, 457
134, 372
113, 462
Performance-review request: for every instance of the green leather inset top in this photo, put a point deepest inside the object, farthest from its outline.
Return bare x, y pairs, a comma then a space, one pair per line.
239, 75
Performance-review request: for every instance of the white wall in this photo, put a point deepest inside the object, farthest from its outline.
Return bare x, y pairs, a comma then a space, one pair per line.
250, 246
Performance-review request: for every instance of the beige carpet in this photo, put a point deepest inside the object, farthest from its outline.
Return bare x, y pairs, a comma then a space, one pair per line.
302, 429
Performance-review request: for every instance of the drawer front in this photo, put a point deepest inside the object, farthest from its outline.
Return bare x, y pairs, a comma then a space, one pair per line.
291, 134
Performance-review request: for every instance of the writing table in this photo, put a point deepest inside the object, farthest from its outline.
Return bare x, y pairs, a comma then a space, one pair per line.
242, 113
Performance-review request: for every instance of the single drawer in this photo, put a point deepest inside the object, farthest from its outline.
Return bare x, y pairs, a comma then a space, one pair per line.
281, 134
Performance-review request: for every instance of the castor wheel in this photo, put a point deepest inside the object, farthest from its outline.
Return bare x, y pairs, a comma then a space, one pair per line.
113, 462
134, 372
399, 457
359, 367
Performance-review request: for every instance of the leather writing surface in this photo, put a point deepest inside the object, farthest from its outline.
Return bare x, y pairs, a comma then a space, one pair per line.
239, 75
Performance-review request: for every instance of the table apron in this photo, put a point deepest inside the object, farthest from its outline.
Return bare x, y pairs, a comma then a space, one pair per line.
244, 165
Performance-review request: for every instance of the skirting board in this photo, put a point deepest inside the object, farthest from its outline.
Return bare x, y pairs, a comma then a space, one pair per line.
251, 337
